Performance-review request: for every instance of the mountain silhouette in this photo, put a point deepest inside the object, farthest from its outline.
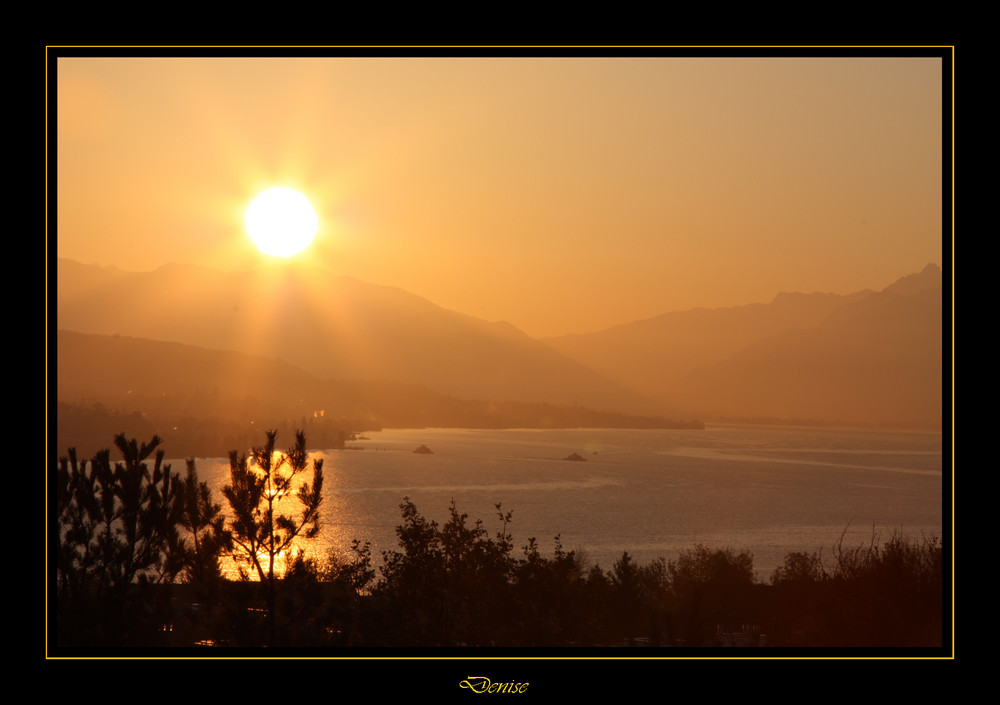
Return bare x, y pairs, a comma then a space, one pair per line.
655, 354
332, 327
869, 357
208, 402
875, 361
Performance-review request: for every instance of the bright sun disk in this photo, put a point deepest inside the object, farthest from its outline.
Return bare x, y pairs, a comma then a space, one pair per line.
281, 222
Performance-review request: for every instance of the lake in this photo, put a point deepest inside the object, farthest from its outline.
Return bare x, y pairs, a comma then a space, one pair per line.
766, 489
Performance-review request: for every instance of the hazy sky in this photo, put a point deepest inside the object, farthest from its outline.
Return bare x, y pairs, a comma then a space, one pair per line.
560, 194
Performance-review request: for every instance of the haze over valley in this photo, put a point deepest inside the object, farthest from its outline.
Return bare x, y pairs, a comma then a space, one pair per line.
291, 344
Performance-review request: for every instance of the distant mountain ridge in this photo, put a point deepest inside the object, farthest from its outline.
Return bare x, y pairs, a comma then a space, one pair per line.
870, 357
877, 361
208, 402
929, 278
333, 327
655, 354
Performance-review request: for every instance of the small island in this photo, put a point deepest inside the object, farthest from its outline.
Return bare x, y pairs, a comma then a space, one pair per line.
423, 449
574, 456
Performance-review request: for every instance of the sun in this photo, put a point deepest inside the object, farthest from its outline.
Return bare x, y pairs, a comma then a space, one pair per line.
281, 222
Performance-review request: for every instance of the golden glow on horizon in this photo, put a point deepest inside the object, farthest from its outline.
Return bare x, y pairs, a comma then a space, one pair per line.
281, 222
609, 189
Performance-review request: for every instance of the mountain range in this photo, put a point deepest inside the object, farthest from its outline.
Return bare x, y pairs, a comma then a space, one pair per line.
866, 357
333, 327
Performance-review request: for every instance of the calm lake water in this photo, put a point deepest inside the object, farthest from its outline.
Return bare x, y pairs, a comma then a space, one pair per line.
769, 490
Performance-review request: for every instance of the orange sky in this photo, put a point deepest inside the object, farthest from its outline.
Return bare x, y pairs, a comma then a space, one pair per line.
559, 194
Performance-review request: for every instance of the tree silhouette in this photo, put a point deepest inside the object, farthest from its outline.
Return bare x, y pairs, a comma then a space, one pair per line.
261, 536
449, 584
117, 537
709, 587
205, 523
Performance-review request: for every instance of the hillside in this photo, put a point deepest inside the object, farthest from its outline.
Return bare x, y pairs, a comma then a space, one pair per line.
208, 402
375, 352
878, 361
333, 327
868, 357
655, 354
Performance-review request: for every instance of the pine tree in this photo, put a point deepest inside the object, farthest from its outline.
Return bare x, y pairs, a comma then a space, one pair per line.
262, 537
117, 537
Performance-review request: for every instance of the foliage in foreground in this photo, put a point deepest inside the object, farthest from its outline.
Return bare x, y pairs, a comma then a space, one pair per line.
875, 594
118, 538
138, 565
